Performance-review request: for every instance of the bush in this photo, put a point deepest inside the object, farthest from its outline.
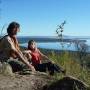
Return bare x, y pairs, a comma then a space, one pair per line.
72, 66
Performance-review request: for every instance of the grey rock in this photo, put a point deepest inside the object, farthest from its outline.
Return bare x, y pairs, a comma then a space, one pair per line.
67, 83
5, 69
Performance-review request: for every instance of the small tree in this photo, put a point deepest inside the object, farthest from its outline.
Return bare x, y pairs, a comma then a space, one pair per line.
59, 32
82, 49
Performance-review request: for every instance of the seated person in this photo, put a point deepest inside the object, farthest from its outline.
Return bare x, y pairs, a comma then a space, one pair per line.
37, 58
9, 48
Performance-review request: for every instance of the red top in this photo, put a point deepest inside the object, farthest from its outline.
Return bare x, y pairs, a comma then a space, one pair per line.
36, 57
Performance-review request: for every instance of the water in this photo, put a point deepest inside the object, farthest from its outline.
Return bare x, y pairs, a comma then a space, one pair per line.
53, 42
57, 45
88, 42
52, 45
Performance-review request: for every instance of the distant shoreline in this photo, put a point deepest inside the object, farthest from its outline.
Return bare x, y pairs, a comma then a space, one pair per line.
48, 39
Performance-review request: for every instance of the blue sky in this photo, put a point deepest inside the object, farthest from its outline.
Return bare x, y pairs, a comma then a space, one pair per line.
41, 17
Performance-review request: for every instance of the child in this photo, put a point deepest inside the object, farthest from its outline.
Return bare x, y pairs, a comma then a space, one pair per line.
37, 58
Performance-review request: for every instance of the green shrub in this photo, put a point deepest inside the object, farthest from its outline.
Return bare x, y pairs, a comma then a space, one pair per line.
72, 66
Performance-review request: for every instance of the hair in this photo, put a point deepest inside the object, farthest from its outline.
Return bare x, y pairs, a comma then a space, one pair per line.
11, 26
29, 43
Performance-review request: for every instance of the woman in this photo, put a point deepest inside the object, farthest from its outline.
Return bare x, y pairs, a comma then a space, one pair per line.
9, 47
37, 58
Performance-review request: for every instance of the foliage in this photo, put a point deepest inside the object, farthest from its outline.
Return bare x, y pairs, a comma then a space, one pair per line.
72, 66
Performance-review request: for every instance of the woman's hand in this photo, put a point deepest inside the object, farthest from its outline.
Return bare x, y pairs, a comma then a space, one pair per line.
32, 67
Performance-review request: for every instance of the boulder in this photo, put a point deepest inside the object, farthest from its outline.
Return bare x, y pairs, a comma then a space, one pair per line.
67, 83
6, 69
30, 81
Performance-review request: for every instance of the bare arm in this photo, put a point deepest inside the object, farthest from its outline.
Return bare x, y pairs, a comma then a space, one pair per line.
11, 47
24, 59
44, 57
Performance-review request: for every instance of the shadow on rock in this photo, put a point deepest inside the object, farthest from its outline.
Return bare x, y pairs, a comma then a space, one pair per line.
67, 83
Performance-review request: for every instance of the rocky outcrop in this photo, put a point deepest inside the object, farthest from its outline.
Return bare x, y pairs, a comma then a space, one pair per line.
67, 83
22, 80
31, 81
28, 80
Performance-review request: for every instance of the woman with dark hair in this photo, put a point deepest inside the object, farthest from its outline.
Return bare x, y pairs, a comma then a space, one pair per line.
38, 56
9, 48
